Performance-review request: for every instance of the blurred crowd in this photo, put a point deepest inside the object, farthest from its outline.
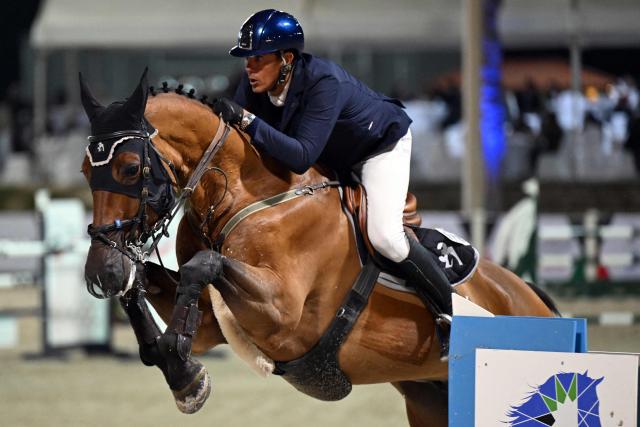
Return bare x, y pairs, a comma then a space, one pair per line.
544, 115
66, 128
539, 117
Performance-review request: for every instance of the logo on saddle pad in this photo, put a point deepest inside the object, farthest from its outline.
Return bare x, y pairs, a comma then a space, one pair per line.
564, 400
100, 147
455, 256
448, 255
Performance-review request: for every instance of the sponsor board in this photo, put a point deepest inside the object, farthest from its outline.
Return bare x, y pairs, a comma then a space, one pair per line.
537, 389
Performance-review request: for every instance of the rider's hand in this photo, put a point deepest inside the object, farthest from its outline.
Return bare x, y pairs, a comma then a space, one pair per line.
229, 110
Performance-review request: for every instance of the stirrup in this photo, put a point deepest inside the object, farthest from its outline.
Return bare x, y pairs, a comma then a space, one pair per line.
443, 331
444, 319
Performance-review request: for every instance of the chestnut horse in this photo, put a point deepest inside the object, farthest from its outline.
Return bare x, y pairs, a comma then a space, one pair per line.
282, 272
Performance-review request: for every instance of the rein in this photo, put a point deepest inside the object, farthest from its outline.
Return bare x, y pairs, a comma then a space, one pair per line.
214, 146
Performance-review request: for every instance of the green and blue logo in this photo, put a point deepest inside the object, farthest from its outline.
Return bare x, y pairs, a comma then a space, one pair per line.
564, 399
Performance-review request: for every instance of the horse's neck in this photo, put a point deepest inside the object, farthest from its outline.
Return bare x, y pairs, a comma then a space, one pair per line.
242, 177
251, 175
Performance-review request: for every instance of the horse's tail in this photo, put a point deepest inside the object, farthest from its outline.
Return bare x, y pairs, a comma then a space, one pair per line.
545, 298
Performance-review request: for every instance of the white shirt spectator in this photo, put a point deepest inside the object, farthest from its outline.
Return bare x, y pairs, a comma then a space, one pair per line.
570, 107
426, 114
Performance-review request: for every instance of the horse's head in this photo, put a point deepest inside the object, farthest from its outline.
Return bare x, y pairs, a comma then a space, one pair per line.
131, 189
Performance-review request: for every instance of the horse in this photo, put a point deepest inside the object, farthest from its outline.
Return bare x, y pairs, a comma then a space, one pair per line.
280, 274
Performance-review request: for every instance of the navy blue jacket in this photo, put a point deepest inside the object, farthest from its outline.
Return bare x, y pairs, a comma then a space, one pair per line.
329, 117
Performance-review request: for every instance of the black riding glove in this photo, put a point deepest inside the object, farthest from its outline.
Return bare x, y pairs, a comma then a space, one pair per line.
229, 110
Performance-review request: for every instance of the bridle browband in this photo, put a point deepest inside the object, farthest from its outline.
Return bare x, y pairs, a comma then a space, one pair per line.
119, 134
135, 250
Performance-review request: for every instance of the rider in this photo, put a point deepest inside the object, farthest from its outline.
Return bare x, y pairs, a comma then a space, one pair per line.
301, 109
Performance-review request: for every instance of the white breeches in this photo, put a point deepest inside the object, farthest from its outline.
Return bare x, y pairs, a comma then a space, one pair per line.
386, 179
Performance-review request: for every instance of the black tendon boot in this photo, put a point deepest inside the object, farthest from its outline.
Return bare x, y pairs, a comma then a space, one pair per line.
200, 270
432, 286
188, 378
184, 323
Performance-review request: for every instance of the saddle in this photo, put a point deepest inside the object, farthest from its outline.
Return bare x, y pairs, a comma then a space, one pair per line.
457, 258
355, 201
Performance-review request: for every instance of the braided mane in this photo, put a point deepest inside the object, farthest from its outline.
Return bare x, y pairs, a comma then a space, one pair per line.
204, 99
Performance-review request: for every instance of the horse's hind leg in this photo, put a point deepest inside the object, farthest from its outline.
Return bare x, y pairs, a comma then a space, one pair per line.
426, 403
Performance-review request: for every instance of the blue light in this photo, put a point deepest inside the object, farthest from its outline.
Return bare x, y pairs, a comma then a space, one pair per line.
492, 109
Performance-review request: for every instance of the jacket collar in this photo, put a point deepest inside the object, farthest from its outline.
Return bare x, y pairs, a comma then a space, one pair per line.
296, 89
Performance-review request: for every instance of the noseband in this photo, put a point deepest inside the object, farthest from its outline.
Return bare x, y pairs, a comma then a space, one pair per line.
135, 250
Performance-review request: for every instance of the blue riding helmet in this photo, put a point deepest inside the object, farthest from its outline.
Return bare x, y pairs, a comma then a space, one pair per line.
268, 31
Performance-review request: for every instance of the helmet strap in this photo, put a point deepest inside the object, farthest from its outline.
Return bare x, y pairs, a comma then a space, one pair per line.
285, 69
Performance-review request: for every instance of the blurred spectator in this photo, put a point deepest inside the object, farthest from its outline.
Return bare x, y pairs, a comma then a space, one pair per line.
20, 119
511, 106
570, 108
530, 105
5, 136
530, 98
549, 138
427, 113
625, 87
60, 118
451, 97
633, 141
598, 105
551, 95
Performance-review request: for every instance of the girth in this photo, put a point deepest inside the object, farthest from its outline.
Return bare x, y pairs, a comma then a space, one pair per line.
317, 373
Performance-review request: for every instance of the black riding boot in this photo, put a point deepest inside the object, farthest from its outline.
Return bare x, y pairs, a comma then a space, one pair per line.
432, 286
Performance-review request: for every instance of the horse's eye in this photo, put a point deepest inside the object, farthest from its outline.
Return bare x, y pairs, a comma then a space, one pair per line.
131, 170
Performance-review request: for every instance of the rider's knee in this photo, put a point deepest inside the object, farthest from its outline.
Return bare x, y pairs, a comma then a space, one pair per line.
389, 245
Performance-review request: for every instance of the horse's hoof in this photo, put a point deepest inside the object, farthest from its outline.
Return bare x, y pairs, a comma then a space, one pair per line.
191, 398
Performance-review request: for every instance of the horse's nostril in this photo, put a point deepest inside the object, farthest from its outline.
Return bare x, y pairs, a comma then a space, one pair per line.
95, 289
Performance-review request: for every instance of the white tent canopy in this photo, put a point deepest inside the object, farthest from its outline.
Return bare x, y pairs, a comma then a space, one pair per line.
206, 23
331, 25
63, 24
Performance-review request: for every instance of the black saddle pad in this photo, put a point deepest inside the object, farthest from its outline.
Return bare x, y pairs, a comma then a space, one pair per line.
457, 258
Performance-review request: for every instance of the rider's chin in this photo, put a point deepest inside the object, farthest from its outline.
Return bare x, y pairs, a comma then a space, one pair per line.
259, 87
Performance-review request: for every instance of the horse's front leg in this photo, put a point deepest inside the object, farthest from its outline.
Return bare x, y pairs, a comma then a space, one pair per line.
171, 350
188, 378
144, 327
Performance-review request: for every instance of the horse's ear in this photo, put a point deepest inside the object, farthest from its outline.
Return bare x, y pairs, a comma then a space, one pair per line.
137, 102
91, 105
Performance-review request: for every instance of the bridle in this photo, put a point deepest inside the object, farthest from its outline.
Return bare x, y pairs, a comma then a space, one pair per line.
137, 251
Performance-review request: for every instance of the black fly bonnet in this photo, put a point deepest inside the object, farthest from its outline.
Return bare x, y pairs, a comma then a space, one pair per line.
103, 147
122, 127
